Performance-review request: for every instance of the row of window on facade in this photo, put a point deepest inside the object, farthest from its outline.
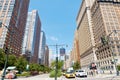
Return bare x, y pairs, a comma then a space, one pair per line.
107, 68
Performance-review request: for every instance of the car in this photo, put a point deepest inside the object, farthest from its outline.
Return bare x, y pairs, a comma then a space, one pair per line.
11, 68
70, 74
80, 73
10, 75
63, 73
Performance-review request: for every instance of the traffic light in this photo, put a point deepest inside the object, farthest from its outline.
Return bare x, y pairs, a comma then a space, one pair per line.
6, 50
104, 40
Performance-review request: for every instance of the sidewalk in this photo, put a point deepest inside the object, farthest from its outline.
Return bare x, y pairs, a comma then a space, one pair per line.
104, 75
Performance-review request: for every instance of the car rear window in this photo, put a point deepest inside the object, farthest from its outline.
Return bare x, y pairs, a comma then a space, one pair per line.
81, 71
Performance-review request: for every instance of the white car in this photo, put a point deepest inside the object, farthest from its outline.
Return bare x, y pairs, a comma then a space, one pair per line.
80, 73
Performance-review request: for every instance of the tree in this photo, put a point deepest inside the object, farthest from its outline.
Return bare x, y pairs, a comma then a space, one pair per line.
34, 67
76, 65
47, 69
21, 64
12, 60
2, 59
118, 67
60, 64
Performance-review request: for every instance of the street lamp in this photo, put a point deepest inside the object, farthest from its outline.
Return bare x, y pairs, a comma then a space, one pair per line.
106, 40
6, 51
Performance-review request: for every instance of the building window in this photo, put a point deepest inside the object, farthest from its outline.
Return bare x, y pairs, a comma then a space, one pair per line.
118, 47
111, 67
5, 8
116, 38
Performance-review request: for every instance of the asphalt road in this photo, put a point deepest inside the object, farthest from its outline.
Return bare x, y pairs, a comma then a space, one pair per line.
46, 77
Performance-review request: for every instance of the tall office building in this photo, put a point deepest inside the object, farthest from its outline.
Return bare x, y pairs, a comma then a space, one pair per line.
85, 35
42, 46
98, 20
46, 55
106, 19
67, 62
51, 57
32, 36
13, 15
76, 52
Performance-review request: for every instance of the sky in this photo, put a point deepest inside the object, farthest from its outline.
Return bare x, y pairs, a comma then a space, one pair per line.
58, 19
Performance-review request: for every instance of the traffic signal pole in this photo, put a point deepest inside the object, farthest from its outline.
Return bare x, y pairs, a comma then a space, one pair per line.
56, 62
56, 65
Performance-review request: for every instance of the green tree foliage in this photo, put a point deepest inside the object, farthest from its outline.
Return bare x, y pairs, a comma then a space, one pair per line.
76, 65
21, 64
47, 69
42, 68
34, 67
60, 64
2, 58
52, 73
118, 67
37, 67
12, 60
59, 67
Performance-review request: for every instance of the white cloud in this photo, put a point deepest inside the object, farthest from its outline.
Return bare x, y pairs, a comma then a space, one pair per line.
54, 38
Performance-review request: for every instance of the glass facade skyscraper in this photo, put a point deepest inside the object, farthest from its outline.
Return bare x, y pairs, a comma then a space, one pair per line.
13, 14
42, 48
32, 36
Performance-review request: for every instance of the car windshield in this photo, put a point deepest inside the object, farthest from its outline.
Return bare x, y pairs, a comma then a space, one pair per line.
79, 71
69, 72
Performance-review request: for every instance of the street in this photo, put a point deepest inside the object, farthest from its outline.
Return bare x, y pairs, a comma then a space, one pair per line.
46, 77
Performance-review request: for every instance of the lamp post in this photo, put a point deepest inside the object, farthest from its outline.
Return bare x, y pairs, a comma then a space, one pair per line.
6, 60
106, 40
6, 51
56, 62
56, 65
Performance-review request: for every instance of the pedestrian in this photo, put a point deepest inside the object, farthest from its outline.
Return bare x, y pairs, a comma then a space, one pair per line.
96, 72
91, 73
110, 72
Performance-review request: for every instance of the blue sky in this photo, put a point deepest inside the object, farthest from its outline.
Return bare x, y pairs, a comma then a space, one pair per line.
58, 18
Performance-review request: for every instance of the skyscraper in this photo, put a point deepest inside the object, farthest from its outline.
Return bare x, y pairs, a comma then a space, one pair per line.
85, 35
42, 48
32, 36
13, 15
46, 55
97, 19
106, 18
76, 52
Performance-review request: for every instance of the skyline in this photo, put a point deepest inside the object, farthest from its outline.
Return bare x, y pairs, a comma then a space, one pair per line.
58, 19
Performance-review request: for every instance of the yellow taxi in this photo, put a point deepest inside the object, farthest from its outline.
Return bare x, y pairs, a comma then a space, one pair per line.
69, 75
